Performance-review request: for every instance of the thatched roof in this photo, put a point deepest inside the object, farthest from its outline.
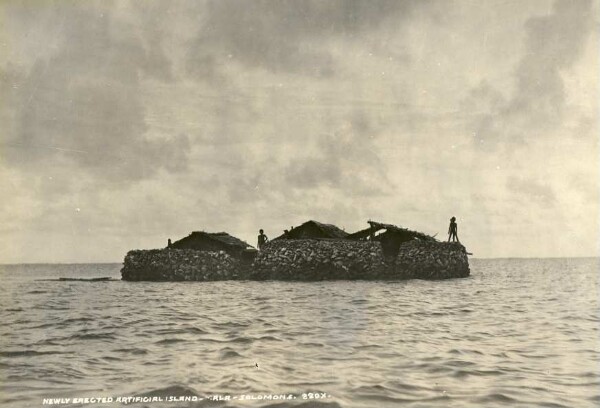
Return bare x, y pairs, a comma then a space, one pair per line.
330, 229
221, 237
377, 226
228, 239
315, 229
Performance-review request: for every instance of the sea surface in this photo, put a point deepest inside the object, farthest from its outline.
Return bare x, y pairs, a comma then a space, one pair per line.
518, 332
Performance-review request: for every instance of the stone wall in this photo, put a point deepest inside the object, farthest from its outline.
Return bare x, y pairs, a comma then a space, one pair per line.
303, 259
432, 260
311, 259
180, 265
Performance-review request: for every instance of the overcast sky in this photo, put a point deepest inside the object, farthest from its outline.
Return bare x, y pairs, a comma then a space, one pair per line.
127, 123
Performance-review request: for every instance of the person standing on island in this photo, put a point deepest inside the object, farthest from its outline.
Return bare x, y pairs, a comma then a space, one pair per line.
453, 230
262, 239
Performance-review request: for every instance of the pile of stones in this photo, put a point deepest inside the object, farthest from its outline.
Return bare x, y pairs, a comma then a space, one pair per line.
431, 260
180, 265
311, 259
302, 260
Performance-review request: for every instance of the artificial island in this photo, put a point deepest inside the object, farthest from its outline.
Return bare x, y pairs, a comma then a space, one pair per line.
313, 251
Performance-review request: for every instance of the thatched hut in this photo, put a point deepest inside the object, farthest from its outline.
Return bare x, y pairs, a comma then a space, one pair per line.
314, 230
214, 242
392, 237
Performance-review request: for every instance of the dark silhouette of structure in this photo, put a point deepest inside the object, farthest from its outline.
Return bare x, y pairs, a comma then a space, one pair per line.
262, 239
314, 230
453, 230
391, 238
213, 241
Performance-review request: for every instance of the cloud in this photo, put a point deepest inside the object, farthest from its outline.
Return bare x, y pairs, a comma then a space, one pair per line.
156, 118
82, 104
346, 160
553, 43
287, 36
532, 190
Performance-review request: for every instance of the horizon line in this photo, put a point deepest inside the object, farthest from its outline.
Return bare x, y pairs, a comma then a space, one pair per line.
471, 258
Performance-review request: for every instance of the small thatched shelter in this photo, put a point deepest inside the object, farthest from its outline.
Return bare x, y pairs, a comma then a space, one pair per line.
391, 238
315, 230
213, 241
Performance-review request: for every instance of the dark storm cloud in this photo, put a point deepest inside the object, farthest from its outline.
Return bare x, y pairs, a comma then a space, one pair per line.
287, 35
83, 103
553, 43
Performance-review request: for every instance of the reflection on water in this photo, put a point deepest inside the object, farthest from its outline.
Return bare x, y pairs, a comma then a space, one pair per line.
517, 332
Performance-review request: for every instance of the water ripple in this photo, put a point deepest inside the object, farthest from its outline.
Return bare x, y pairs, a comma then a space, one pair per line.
517, 333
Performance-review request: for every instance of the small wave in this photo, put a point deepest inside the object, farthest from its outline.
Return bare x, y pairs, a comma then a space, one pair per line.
243, 340
384, 398
187, 330
459, 363
195, 330
63, 323
434, 368
476, 373
370, 388
227, 354
307, 404
269, 338
131, 351
307, 384
552, 405
78, 320
92, 336
589, 374
397, 386
172, 390
170, 341
47, 342
45, 308
45, 325
231, 324
22, 321
313, 344
496, 397
30, 353
465, 351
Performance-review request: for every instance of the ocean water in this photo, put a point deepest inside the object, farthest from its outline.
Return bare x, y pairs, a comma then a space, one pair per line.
518, 332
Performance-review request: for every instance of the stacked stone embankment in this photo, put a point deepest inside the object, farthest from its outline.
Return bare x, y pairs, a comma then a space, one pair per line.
302, 260
180, 265
311, 259
432, 260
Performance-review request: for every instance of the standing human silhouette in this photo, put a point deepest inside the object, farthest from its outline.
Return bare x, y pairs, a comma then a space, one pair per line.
262, 239
453, 230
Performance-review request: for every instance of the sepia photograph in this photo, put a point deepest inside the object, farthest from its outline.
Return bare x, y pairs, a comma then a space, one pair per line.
300, 203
